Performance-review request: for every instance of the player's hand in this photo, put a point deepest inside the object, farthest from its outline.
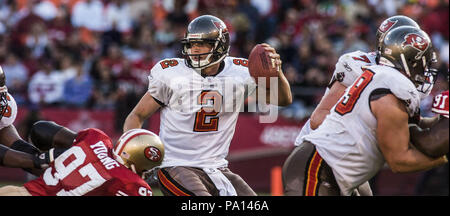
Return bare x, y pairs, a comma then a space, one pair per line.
42, 160
276, 61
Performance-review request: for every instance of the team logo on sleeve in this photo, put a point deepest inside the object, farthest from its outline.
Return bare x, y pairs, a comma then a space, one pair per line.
152, 153
340, 76
417, 42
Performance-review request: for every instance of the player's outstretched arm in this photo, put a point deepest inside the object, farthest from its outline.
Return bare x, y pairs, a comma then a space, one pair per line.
431, 141
284, 89
326, 103
17, 159
393, 137
428, 122
10, 138
143, 110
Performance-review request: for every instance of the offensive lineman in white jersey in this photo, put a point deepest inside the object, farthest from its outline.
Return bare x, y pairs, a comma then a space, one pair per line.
9, 136
348, 68
369, 124
200, 97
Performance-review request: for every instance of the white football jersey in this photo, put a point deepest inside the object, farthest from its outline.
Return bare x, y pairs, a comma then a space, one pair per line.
10, 113
347, 70
346, 139
199, 114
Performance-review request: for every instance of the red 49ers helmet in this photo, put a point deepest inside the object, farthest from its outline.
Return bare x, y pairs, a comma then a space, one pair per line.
140, 150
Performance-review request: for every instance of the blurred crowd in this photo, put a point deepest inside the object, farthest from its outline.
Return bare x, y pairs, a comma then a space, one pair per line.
97, 54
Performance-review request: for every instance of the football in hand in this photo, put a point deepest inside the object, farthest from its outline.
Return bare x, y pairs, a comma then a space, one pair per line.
261, 65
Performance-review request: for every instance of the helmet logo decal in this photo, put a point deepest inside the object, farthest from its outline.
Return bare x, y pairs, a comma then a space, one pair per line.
219, 26
386, 25
417, 42
152, 153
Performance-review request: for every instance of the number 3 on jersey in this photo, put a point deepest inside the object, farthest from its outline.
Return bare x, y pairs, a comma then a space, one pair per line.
206, 119
348, 101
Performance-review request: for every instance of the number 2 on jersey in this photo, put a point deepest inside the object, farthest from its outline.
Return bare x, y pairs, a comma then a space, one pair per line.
348, 101
211, 102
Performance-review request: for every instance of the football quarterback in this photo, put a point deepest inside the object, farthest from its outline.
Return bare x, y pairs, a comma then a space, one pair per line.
200, 97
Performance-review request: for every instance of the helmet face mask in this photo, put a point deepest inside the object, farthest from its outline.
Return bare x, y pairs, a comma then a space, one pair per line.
3, 94
206, 29
409, 50
426, 82
201, 59
140, 150
3, 104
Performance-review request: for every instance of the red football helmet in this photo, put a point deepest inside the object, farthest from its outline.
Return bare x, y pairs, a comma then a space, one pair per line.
140, 150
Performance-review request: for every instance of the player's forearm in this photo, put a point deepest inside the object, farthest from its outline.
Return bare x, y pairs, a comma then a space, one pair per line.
431, 141
317, 118
284, 91
132, 121
413, 160
428, 122
326, 103
15, 159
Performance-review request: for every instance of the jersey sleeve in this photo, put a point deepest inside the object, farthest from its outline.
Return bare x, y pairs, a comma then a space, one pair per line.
158, 86
404, 90
131, 188
441, 104
93, 135
137, 189
346, 71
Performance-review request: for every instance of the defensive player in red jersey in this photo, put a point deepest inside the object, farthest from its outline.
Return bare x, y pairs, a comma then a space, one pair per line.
90, 165
433, 141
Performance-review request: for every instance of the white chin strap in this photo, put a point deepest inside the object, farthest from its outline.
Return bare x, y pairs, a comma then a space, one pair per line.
384, 61
203, 63
118, 158
133, 168
200, 63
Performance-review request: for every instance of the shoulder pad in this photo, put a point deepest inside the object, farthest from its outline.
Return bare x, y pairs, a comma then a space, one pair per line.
400, 86
168, 63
